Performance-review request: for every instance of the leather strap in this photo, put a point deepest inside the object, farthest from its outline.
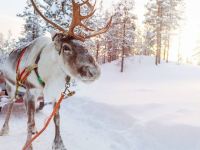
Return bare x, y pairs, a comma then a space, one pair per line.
36, 70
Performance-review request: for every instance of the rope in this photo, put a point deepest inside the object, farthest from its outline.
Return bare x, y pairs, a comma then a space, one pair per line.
56, 107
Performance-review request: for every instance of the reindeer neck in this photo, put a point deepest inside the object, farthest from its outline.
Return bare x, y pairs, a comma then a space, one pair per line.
50, 64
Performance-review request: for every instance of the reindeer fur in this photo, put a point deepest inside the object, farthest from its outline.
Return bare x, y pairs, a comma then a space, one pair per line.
60, 56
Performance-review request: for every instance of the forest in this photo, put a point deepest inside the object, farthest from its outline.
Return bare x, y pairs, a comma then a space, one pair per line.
126, 37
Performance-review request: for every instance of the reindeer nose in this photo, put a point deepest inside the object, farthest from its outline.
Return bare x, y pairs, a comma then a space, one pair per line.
91, 72
84, 71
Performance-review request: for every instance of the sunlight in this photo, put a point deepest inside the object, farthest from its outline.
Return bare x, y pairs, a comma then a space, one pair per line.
184, 40
185, 43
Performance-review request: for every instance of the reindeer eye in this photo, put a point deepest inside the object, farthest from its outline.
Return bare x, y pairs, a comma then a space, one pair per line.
66, 48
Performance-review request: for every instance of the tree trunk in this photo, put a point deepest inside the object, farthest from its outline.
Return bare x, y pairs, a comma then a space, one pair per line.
34, 28
158, 30
123, 48
97, 52
104, 55
164, 53
165, 47
168, 46
168, 38
104, 58
33, 33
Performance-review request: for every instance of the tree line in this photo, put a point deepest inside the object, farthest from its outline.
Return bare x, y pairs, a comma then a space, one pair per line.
125, 37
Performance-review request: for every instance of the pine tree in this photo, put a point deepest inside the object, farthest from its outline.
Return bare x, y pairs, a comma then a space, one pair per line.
33, 27
1, 42
122, 34
174, 13
59, 11
7, 44
98, 20
149, 42
162, 16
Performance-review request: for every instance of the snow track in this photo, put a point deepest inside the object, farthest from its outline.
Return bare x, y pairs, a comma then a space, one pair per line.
145, 108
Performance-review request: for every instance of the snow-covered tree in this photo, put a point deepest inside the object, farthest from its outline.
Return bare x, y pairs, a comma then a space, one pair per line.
33, 27
59, 11
1, 42
174, 13
149, 42
97, 21
7, 44
162, 16
122, 34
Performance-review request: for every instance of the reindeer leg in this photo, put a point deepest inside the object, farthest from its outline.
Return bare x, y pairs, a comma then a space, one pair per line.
5, 128
11, 92
30, 105
58, 142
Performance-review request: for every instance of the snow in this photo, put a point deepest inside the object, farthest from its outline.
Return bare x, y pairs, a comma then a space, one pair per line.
54, 8
4, 100
147, 107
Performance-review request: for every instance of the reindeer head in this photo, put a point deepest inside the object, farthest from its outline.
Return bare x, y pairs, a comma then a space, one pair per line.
75, 57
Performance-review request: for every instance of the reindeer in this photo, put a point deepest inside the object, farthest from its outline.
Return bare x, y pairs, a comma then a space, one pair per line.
62, 55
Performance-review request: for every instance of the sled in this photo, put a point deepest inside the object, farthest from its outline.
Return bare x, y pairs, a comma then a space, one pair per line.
19, 103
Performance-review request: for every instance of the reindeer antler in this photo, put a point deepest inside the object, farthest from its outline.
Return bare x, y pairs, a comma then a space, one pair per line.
77, 19
45, 18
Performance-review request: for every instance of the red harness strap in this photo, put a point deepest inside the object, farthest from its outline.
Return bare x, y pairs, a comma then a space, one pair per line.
55, 110
22, 76
20, 58
18, 73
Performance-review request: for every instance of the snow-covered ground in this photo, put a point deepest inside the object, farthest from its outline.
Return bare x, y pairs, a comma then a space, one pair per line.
144, 108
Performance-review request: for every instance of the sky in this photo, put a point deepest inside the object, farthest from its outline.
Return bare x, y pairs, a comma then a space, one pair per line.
183, 44
8, 19
186, 41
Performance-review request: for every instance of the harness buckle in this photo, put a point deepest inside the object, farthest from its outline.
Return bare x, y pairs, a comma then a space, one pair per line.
67, 86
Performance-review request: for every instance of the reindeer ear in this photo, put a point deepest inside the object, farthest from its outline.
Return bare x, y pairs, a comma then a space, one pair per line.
57, 40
